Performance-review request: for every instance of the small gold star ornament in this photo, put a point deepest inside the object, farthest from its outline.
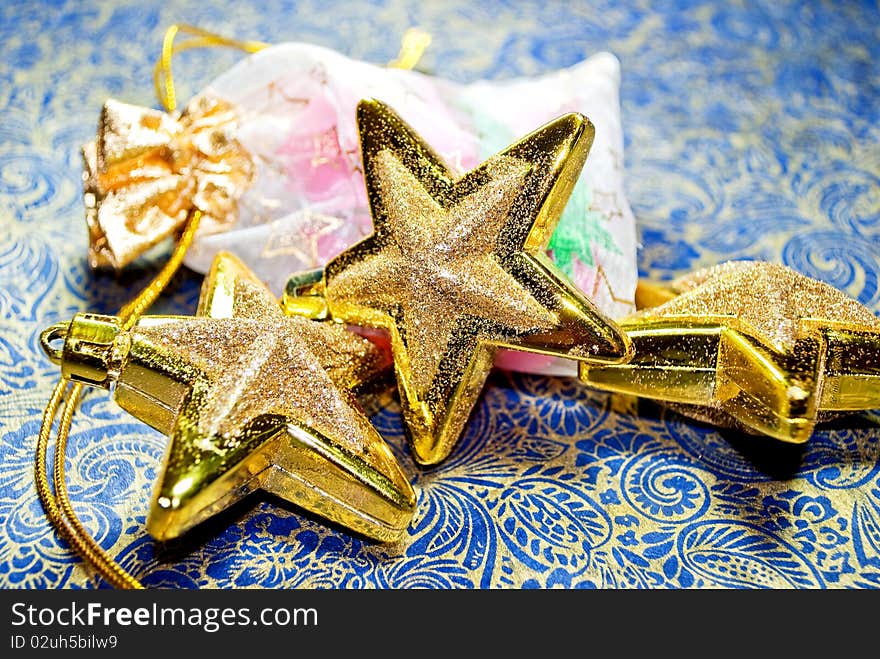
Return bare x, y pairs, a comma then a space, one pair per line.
251, 399
752, 345
455, 268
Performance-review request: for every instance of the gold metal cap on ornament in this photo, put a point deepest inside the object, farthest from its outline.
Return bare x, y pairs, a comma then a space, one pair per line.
456, 268
751, 345
251, 399
92, 351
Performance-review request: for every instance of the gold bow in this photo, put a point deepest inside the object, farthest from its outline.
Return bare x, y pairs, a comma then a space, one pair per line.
147, 169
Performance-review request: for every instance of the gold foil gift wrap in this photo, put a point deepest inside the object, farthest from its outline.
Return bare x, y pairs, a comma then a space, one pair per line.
147, 170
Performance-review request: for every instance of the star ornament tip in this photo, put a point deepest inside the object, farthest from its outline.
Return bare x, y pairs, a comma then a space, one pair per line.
456, 267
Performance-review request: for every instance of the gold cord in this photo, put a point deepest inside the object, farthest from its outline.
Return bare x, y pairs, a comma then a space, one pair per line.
57, 504
412, 47
162, 76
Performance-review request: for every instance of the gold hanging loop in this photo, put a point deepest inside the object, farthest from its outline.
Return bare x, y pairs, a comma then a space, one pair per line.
163, 78
57, 504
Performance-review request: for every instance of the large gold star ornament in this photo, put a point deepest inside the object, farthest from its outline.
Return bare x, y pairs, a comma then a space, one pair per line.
752, 345
456, 268
251, 399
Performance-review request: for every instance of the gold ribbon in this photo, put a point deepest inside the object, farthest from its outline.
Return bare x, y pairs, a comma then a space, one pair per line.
163, 79
147, 169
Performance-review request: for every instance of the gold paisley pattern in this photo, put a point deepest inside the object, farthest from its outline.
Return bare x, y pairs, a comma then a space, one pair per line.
751, 133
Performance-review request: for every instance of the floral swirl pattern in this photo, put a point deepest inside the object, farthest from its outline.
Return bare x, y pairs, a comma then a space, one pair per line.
751, 132
663, 489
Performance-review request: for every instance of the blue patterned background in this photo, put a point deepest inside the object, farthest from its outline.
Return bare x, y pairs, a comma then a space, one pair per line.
752, 131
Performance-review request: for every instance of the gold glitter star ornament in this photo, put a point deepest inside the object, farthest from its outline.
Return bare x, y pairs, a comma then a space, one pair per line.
251, 399
752, 345
455, 268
